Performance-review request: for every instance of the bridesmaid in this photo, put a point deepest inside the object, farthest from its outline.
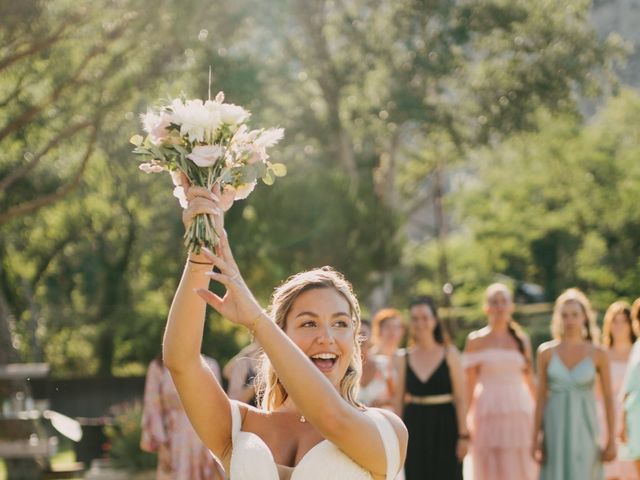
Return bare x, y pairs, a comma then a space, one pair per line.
617, 338
374, 383
565, 438
167, 431
431, 399
631, 391
500, 388
387, 333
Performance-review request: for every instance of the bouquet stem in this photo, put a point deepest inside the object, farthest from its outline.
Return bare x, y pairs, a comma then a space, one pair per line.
201, 233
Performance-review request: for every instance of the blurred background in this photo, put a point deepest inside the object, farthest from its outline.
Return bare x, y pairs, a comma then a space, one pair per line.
433, 147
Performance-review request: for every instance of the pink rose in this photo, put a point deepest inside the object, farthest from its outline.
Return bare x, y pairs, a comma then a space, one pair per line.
206, 155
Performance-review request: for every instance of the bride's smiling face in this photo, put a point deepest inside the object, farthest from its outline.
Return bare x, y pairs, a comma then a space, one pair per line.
320, 323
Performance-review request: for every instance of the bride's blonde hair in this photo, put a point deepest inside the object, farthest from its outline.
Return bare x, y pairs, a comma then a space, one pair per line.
271, 392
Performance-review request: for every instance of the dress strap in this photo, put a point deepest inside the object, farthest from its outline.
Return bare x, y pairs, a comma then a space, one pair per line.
389, 441
236, 419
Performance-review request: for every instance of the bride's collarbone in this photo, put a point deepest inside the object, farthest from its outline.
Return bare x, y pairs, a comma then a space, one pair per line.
288, 439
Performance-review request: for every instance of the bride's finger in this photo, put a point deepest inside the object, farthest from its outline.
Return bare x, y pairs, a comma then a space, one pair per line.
219, 262
225, 249
211, 298
224, 279
185, 183
195, 192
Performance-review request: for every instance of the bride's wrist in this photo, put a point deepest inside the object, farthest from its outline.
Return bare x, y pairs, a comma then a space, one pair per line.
198, 259
255, 324
198, 263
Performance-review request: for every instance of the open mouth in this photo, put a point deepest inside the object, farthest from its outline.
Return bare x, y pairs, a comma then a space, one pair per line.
324, 361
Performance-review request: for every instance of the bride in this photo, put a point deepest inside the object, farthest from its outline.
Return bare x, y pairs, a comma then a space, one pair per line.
310, 425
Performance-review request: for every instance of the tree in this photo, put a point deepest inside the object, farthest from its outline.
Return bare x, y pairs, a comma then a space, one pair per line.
558, 206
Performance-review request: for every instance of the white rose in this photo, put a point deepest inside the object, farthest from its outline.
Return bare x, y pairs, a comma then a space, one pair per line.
206, 155
232, 114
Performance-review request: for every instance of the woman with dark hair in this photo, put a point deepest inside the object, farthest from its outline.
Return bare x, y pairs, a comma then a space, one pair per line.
617, 339
430, 397
500, 393
565, 434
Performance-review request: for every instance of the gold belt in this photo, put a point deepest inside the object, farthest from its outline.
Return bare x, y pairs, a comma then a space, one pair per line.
429, 399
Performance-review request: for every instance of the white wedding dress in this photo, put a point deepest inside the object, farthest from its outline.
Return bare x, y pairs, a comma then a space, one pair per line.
251, 459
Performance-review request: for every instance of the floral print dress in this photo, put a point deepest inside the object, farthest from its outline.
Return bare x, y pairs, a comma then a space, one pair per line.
166, 430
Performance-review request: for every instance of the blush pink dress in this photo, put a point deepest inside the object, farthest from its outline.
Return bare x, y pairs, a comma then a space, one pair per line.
619, 469
165, 424
501, 416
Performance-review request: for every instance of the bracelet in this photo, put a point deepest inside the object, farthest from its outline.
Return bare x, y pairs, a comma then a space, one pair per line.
199, 263
254, 324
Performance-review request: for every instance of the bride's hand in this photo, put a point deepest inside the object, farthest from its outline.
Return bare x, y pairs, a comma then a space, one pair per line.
208, 202
238, 304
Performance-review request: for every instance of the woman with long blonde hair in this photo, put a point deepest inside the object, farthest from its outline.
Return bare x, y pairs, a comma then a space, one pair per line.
565, 435
617, 339
630, 450
310, 425
499, 390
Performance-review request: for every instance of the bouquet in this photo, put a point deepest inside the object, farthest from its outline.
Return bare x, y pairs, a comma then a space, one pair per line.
209, 142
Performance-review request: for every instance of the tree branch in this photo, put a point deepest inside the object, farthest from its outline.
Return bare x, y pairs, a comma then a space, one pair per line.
17, 123
31, 164
40, 45
38, 203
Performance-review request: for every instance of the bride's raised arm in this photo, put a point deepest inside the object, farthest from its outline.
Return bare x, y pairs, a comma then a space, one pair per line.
203, 398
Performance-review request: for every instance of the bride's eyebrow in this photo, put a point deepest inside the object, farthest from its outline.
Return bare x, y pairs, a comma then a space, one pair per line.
315, 315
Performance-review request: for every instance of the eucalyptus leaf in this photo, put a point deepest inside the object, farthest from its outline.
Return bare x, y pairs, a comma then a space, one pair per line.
136, 140
279, 169
268, 178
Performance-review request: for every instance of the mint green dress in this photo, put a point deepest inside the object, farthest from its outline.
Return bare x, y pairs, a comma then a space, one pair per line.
631, 388
570, 423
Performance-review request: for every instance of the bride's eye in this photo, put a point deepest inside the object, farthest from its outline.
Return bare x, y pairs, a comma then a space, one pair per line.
341, 324
308, 323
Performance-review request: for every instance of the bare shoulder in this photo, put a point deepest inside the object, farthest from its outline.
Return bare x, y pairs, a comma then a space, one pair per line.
546, 349
600, 354
397, 424
475, 340
453, 354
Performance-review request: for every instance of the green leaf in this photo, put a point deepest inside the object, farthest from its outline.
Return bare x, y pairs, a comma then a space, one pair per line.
279, 169
260, 168
248, 174
183, 151
136, 140
268, 178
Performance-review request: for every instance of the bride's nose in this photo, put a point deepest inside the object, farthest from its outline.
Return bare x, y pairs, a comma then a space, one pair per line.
325, 335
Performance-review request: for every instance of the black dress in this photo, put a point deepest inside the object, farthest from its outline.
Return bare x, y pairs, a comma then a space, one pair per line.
433, 430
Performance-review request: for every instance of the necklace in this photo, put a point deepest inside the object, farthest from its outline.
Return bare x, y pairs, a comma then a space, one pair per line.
302, 419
